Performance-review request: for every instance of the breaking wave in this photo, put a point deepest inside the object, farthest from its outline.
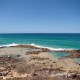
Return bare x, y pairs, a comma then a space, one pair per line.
8, 45
55, 49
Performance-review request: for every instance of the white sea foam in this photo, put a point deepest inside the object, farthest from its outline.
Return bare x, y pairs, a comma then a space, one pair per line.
55, 49
8, 45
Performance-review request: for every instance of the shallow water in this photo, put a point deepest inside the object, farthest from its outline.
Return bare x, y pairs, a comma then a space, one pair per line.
59, 54
63, 54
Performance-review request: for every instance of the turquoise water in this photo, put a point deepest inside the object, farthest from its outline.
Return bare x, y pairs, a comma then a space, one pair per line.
59, 54
69, 41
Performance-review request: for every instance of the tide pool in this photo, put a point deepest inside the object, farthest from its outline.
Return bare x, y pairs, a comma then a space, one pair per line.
59, 54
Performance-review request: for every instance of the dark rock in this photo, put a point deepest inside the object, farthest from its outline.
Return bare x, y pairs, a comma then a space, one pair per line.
0, 74
34, 74
74, 76
78, 51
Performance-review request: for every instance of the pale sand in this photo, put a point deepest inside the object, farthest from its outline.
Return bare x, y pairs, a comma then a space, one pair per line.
13, 50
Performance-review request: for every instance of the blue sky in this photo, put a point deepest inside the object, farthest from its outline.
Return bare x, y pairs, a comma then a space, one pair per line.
39, 16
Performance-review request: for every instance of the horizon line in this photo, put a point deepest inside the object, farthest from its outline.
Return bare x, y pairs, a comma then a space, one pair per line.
37, 33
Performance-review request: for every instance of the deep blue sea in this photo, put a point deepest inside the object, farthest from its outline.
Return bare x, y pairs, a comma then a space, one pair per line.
53, 40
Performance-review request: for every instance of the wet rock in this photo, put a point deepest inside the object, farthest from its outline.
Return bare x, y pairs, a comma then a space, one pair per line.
74, 55
34, 47
27, 46
78, 51
33, 52
45, 50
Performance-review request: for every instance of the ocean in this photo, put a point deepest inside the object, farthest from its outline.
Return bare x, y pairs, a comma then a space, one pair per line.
51, 40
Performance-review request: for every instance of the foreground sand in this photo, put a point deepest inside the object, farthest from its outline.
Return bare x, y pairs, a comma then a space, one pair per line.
35, 64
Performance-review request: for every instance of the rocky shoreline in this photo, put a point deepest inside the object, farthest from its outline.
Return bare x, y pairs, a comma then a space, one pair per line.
17, 69
37, 64
73, 53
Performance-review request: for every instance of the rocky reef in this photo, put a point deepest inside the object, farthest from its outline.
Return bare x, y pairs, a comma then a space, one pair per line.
37, 64
74, 54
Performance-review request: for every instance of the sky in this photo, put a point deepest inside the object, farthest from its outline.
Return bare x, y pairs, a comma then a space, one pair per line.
39, 16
